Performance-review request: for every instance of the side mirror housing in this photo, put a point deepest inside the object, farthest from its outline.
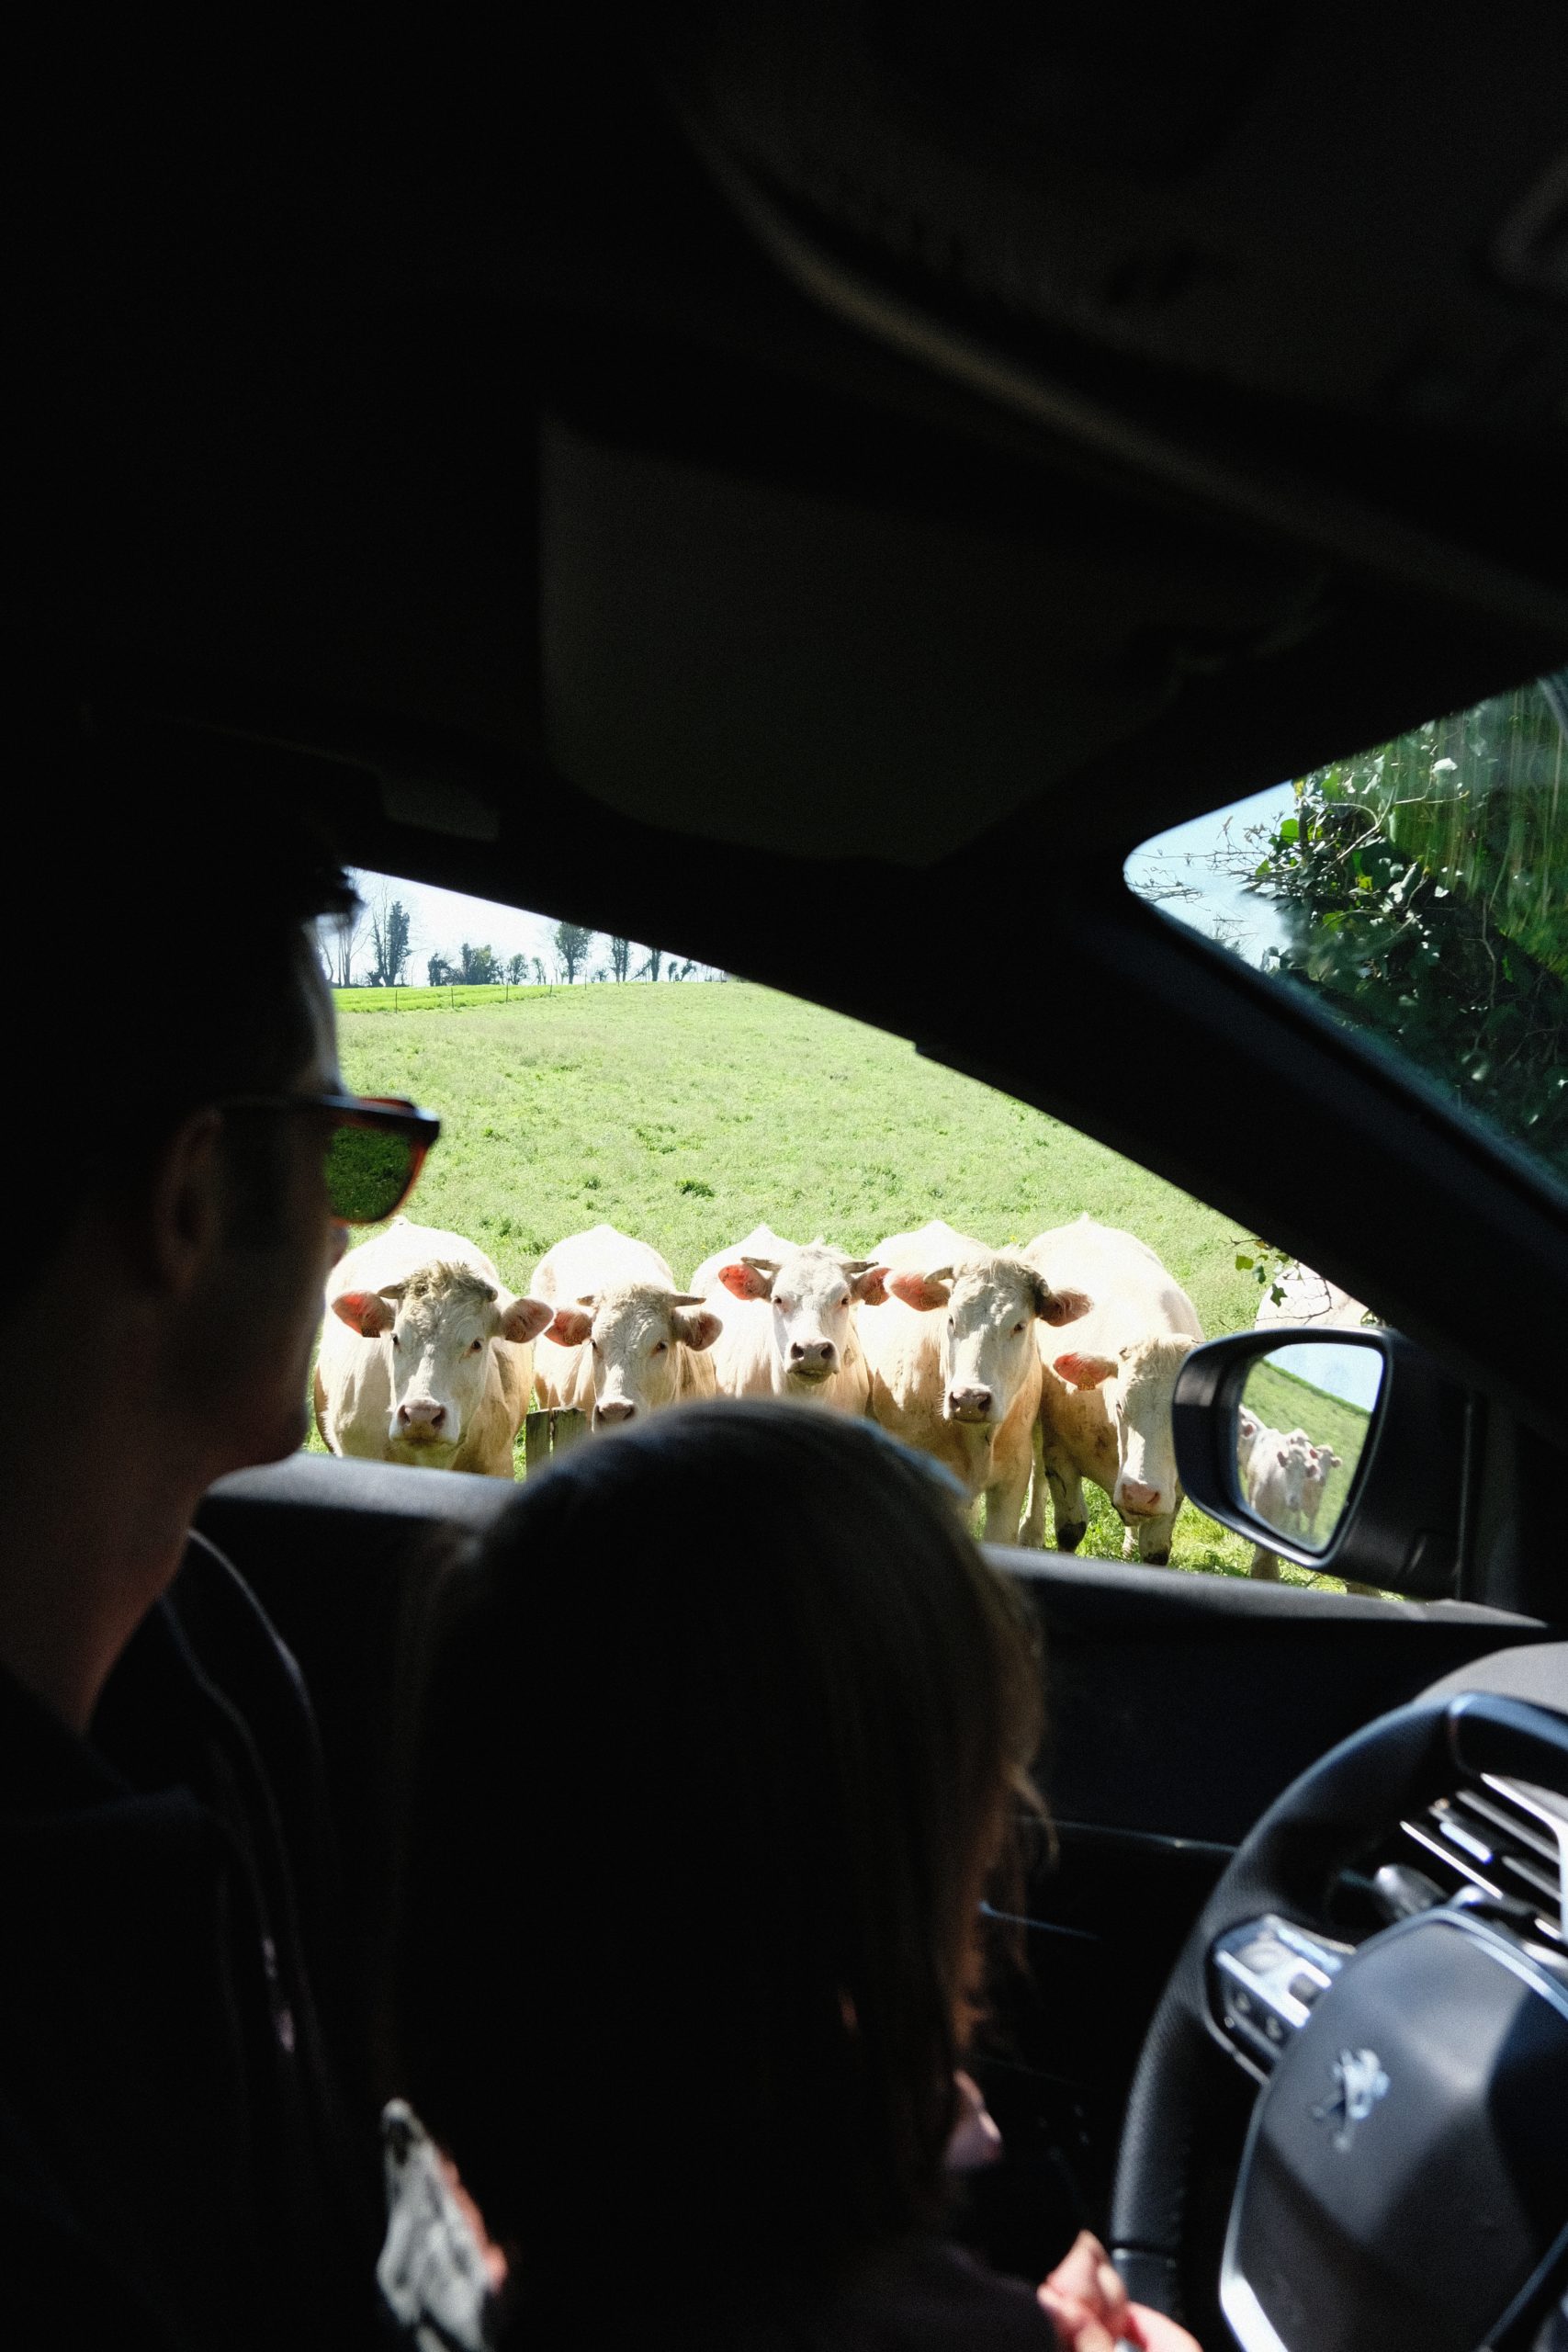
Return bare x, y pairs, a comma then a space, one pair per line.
1344, 1452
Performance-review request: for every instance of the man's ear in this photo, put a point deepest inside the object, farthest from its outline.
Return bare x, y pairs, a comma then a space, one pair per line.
1083, 1372
749, 1278
570, 1328
524, 1318
365, 1311
699, 1329
188, 1208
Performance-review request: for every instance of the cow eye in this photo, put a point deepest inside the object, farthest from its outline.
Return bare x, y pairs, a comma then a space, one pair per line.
474, 1346
950, 1323
396, 1342
662, 1348
597, 1348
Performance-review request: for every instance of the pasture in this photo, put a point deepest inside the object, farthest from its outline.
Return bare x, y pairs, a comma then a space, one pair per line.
685, 1113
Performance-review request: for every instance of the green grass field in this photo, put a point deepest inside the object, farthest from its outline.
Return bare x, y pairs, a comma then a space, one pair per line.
687, 1113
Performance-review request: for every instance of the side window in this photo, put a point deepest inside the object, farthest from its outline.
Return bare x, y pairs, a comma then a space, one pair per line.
1415, 893
655, 1181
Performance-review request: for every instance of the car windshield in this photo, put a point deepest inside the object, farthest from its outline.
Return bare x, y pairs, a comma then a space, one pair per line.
1416, 893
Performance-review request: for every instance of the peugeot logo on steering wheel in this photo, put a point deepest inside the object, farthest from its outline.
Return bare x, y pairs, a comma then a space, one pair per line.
1358, 2083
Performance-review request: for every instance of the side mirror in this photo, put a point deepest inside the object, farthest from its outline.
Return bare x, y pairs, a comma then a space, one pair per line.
1342, 1451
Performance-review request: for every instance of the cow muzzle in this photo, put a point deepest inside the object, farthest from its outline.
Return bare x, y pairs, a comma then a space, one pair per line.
422, 1422
970, 1404
1135, 1500
813, 1360
613, 1415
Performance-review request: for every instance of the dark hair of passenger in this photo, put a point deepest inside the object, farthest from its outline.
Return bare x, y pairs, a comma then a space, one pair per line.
176, 969
719, 1733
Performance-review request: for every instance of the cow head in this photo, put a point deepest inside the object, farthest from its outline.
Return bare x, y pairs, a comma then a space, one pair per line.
636, 1331
437, 1329
1321, 1460
1137, 1385
1293, 1469
992, 1303
813, 1293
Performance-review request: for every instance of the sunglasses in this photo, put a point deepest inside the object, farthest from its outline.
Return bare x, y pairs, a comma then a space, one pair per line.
375, 1152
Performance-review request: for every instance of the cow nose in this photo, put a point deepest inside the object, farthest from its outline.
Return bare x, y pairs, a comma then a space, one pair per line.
611, 1417
969, 1403
422, 1412
1144, 1501
814, 1355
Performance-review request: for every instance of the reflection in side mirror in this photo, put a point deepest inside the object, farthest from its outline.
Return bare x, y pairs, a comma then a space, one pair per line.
1303, 1420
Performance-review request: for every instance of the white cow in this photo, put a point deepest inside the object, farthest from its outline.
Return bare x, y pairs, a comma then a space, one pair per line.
425, 1354
1105, 1399
1277, 1472
790, 1326
1324, 1460
1283, 1476
953, 1366
623, 1341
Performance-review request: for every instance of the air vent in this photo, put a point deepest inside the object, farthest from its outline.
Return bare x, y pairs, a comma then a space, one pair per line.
1506, 1839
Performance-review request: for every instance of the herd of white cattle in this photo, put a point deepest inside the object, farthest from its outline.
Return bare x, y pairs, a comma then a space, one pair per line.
1283, 1475
1023, 1371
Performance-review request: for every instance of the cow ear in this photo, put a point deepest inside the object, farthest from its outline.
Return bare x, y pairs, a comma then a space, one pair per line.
364, 1311
1083, 1372
869, 1287
570, 1327
1284, 1458
524, 1318
924, 1293
699, 1329
747, 1280
1057, 1307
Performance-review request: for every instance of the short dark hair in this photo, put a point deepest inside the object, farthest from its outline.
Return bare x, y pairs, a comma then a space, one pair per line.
167, 960
714, 1734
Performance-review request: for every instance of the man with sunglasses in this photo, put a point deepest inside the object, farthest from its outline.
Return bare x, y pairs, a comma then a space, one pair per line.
178, 2164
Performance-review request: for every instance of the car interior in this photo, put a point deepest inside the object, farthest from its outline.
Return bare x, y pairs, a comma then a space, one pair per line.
820, 487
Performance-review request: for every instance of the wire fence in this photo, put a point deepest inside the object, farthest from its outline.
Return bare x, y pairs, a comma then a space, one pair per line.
451, 996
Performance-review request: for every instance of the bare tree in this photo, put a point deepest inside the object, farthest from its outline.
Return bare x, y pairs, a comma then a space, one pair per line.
571, 942
340, 937
620, 958
391, 937
653, 964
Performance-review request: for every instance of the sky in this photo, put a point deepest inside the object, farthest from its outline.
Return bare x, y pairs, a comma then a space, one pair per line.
1195, 857
1353, 1374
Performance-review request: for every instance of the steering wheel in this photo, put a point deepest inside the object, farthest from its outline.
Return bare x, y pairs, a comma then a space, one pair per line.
1405, 2175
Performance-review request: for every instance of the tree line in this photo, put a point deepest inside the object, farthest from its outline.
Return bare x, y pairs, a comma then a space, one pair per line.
379, 936
579, 953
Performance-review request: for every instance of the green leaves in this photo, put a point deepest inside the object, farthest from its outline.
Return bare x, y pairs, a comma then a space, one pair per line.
1425, 889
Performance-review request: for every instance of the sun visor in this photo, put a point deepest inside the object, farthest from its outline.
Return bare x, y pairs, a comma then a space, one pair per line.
785, 667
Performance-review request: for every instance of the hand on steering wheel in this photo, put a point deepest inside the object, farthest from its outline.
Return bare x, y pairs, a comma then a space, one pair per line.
1087, 2305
